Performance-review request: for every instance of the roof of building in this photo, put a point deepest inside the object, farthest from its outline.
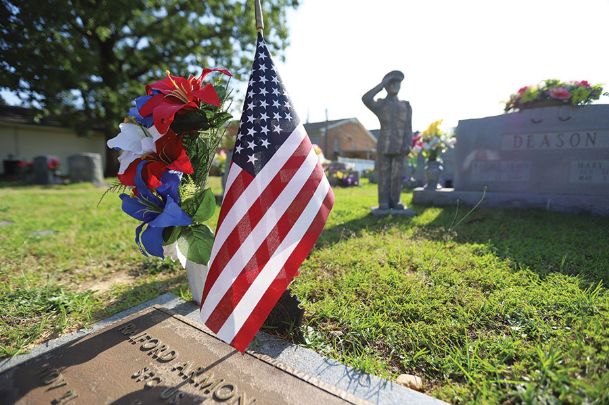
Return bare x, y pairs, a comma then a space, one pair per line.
24, 115
313, 127
31, 116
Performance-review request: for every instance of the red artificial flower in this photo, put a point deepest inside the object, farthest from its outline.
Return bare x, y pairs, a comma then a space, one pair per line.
170, 155
559, 93
522, 89
175, 93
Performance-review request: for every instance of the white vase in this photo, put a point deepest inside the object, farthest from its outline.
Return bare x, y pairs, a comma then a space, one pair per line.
196, 272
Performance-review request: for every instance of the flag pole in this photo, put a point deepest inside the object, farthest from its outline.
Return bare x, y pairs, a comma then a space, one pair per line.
259, 21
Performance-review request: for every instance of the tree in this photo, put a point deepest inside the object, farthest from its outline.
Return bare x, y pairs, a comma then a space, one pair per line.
82, 62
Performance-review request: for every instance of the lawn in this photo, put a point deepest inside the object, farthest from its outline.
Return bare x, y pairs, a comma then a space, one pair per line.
489, 306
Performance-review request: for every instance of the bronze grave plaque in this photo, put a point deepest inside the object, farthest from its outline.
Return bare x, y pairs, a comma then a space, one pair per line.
156, 356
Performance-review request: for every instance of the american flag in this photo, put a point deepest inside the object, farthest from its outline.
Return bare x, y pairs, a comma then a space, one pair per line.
275, 205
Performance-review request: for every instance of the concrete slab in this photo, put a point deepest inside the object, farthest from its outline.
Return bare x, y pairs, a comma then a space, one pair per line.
569, 203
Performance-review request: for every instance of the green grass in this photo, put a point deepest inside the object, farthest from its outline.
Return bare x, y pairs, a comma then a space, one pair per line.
499, 306
86, 269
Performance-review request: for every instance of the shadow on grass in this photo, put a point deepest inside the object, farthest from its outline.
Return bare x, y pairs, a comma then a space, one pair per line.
544, 242
354, 228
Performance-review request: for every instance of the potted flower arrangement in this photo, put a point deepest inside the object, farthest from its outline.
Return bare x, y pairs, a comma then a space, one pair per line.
432, 143
167, 145
347, 178
553, 92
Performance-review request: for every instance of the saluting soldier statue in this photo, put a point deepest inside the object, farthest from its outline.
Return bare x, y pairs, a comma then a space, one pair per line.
393, 142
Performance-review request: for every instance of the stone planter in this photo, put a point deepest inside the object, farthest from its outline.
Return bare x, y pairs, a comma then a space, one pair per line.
433, 170
544, 103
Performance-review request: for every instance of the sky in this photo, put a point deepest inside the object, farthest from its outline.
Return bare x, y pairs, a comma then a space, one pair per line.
461, 58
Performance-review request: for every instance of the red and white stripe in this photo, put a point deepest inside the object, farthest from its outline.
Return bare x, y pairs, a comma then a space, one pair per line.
267, 226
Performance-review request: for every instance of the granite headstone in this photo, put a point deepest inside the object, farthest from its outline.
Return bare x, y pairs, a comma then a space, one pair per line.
555, 158
86, 167
41, 174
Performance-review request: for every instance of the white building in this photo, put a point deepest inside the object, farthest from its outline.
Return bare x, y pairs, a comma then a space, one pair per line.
22, 138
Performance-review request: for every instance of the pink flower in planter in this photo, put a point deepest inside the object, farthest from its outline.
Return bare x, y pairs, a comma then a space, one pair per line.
559, 93
522, 89
583, 83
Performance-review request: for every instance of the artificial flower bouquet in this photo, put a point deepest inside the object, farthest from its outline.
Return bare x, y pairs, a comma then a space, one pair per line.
167, 146
553, 92
432, 142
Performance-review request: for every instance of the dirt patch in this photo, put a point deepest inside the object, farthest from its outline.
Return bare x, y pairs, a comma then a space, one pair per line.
104, 285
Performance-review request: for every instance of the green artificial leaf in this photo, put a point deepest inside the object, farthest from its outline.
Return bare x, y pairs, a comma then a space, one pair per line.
195, 243
190, 121
207, 207
170, 235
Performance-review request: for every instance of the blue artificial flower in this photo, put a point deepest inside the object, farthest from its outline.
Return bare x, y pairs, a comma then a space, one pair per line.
155, 211
136, 107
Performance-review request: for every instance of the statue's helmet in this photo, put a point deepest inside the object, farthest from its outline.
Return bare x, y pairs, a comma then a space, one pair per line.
394, 75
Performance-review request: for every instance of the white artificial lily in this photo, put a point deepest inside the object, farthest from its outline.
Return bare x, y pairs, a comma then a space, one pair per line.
134, 141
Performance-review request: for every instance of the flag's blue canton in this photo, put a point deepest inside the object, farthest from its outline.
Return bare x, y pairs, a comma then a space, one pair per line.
268, 115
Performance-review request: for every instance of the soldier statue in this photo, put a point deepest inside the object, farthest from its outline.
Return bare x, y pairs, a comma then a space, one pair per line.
393, 143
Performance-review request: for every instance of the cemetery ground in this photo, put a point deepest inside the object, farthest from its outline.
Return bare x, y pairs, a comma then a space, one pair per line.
487, 306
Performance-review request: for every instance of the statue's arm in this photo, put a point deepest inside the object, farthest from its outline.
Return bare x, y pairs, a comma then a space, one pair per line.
368, 98
409, 123
408, 129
